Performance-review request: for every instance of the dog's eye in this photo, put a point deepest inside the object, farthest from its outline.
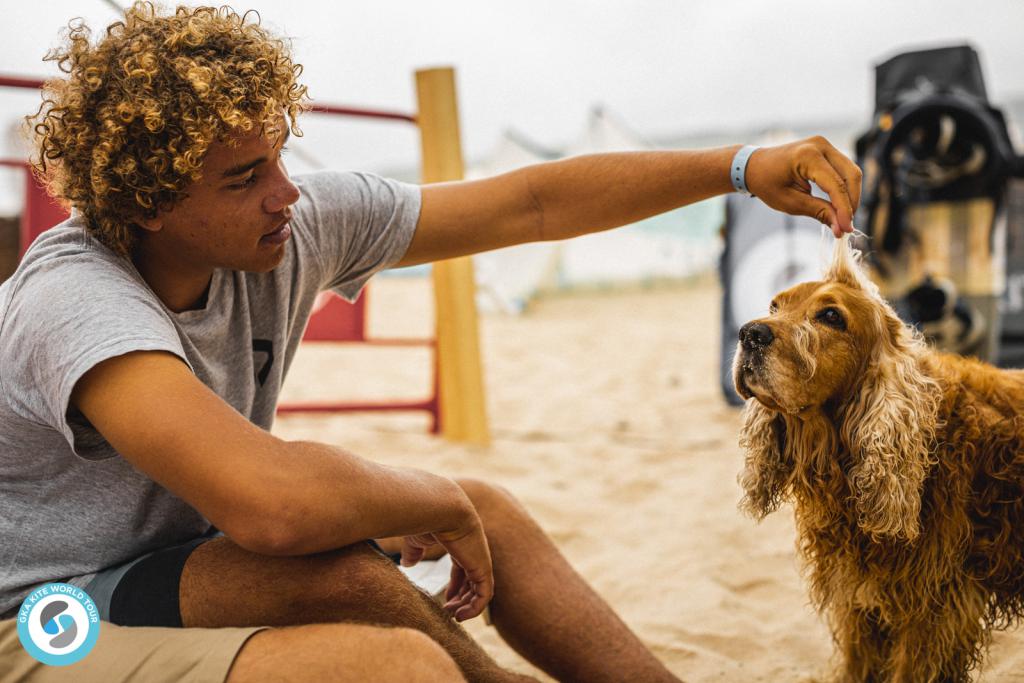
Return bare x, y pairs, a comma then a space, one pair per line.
832, 318
773, 308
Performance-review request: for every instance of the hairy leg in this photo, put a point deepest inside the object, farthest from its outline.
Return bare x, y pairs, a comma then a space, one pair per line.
225, 585
342, 652
863, 646
545, 610
944, 649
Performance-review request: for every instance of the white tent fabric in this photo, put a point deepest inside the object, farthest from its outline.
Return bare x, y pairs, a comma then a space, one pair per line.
604, 132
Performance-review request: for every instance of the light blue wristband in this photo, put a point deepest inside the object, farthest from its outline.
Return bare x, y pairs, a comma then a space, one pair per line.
738, 169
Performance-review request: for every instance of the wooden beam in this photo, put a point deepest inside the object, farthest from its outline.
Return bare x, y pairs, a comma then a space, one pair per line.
463, 402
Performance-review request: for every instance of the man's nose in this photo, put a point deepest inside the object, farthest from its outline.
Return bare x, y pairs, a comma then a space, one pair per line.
755, 335
282, 196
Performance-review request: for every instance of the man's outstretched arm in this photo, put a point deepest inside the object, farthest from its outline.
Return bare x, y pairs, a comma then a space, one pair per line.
580, 195
272, 496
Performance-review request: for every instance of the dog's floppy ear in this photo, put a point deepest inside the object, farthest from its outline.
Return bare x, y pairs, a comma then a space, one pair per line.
889, 426
889, 423
766, 471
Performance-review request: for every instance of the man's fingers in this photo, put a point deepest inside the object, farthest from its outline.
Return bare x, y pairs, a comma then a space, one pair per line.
463, 597
848, 171
473, 609
813, 207
468, 604
472, 581
455, 583
829, 180
466, 598
411, 555
781, 176
414, 548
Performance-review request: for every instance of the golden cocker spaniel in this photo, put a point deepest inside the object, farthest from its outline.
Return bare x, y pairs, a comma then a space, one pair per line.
905, 467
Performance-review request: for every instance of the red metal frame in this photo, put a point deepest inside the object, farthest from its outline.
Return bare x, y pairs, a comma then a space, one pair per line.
338, 321
334, 321
40, 212
21, 82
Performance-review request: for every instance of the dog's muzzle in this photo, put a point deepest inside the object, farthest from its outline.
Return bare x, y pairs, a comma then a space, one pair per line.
755, 337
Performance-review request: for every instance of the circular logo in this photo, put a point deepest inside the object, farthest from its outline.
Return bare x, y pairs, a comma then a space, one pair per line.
58, 624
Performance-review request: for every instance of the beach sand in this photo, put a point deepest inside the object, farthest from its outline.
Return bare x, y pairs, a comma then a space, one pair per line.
609, 425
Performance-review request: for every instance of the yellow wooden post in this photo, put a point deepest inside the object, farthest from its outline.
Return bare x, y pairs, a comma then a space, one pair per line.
463, 407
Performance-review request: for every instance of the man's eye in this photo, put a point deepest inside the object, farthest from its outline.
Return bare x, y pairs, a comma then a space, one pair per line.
248, 182
832, 318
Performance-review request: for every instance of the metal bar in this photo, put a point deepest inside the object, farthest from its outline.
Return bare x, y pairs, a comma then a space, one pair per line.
426, 406
364, 113
376, 341
21, 82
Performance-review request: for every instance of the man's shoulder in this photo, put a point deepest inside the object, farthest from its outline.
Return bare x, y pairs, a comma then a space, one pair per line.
68, 275
67, 256
347, 186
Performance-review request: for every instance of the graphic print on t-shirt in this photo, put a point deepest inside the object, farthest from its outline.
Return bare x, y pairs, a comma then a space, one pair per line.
261, 346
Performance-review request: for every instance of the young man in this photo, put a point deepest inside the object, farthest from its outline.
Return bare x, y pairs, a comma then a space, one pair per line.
143, 344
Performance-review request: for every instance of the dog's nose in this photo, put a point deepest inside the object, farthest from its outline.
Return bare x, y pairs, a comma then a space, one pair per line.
755, 335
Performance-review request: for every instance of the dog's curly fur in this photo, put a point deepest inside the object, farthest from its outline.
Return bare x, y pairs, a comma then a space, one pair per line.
905, 467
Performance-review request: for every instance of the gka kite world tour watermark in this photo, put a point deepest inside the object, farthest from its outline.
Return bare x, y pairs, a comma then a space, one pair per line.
58, 624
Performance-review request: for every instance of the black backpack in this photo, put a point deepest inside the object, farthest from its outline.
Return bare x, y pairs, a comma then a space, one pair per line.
934, 138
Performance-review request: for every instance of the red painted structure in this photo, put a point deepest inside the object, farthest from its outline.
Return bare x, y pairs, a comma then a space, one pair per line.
39, 212
336, 320
333, 319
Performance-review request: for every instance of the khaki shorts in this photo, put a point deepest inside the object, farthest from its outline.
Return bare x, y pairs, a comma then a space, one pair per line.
141, 653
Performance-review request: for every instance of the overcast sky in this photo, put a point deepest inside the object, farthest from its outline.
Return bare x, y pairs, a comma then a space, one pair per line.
663, 66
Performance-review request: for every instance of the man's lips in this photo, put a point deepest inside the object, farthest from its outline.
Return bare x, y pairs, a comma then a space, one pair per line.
279, 235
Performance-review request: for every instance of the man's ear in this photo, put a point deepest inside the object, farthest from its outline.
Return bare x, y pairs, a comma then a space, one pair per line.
153, 224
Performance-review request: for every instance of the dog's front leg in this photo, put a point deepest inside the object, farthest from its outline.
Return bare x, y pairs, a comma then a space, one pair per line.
863, 645
942, 649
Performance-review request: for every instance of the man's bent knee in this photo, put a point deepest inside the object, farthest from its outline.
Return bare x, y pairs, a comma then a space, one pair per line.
489, 497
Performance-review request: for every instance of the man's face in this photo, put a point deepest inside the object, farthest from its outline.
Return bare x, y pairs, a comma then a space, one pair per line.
236, 215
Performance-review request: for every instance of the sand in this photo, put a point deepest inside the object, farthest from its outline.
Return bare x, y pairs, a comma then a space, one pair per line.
609, 425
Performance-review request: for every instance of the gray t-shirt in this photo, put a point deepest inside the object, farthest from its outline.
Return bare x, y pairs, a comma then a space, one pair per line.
69, 504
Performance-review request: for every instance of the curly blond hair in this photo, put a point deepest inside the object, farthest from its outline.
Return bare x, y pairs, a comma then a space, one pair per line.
126, 131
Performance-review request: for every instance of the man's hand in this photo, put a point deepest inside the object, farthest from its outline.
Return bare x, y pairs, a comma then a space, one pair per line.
472, 581
780, 177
